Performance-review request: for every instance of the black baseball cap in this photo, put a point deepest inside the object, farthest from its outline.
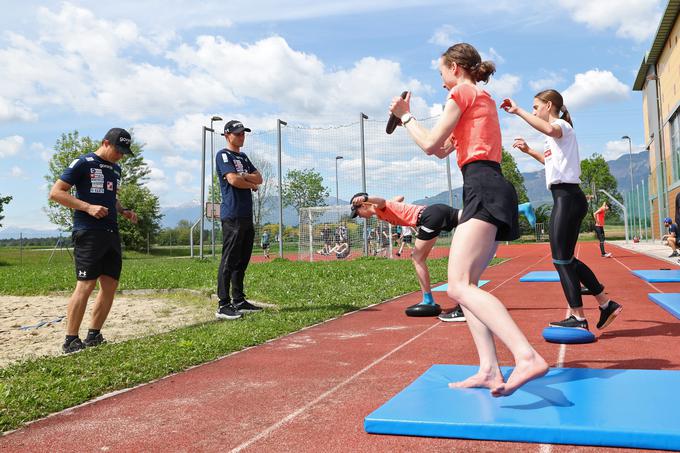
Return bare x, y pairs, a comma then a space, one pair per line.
121, 139
234, 127
354, 208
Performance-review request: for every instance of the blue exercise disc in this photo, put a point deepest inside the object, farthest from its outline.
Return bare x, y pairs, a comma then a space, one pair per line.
568, 335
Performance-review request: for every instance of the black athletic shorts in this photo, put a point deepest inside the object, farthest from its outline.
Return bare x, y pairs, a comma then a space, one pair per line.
407, 239
97, 252
489, 197
434, 219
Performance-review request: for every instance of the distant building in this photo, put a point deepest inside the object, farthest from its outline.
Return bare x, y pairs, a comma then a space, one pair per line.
659, 80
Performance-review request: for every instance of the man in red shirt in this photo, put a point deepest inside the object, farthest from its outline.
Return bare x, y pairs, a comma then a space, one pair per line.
599, 227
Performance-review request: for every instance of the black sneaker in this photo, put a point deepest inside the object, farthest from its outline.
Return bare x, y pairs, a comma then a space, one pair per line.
455, 315
572, 322
74, 346
608, 314
673, 254
246, 307
94, 341
227, 311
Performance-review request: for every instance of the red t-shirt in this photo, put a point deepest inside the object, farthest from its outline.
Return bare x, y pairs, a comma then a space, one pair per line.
477, 135
398, 213
599, 217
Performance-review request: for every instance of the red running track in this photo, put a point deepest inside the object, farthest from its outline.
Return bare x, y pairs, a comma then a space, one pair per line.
310, 391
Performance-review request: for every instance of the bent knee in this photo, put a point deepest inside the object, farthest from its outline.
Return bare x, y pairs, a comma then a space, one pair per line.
457, 290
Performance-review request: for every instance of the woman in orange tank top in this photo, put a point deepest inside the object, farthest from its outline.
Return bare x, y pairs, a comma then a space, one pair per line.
469, 124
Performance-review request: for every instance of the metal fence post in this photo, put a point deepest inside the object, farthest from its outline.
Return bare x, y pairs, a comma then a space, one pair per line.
279, 123
363, 117
200, 252
645, 203
637, 197
623, 208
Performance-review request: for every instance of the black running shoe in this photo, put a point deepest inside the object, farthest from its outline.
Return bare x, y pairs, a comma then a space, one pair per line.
246, 307
608, 314
74, 345
455, 315
571, 321
227, 311
674, 254
94, 341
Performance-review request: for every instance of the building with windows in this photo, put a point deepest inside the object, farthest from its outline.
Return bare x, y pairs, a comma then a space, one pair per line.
659, 80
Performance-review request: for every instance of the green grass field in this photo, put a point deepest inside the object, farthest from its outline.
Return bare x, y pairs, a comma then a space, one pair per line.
304, 294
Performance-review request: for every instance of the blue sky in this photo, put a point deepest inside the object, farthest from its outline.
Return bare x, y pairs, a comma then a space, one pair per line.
164, 68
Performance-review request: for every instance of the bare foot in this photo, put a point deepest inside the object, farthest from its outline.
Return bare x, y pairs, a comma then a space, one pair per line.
524, 372
488, 380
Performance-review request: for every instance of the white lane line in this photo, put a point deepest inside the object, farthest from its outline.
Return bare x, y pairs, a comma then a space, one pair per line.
321, 397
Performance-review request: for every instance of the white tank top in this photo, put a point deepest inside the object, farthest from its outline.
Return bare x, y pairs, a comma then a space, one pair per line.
562, 161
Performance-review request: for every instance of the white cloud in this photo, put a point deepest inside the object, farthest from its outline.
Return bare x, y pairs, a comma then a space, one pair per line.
16, 172
158, 182
15, 111
493, 56
11, 145
551, 80
180, 162
445, 36
635, 19
183, 178
513, 126
504, 86
617, 148
44, 152
593, 87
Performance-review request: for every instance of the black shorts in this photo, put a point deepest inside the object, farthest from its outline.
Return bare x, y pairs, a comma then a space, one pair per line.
97, 252
489, 197
407, 239
264, 245
434, 219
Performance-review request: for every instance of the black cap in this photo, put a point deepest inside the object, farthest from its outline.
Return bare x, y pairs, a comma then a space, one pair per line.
234, 127
121, 139
354, 208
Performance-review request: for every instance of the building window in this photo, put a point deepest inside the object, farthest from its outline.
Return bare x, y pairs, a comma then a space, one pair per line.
675, 144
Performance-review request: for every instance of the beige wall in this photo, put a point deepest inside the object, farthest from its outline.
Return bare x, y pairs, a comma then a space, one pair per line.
668, 71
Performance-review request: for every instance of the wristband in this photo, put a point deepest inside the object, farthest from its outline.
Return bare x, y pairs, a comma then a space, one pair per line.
406, 117
125, 210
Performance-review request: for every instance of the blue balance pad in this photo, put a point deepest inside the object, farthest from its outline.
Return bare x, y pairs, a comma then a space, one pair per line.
541, 276
445, 286
567, 335
669, 302
576, 406
658, 276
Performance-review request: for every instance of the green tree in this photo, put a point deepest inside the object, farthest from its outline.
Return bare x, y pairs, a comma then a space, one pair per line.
134, 172
513, 175
303, 189
3, 202
595, 175
262, 202
147, 207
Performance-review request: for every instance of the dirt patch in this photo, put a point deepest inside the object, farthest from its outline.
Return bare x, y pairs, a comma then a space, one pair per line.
131, 316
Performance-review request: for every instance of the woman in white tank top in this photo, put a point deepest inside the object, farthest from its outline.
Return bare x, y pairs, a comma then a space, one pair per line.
562, 176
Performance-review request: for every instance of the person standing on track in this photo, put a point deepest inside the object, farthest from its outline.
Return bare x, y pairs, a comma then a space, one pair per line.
469, 124
562, 173
599, 227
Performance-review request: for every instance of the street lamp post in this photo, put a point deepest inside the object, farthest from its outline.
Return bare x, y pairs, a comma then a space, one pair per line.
630, 159
212, 180
337, 197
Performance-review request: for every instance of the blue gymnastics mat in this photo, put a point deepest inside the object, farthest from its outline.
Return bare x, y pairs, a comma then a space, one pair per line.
668, 301
574, 406
445, 286
658, 276
540, 276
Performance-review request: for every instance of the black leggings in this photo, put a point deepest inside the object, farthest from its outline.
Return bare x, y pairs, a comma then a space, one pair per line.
599, 231
569, 208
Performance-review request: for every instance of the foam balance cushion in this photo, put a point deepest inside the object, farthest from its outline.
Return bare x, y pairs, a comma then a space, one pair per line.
668, 301
568, 335
423, 310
